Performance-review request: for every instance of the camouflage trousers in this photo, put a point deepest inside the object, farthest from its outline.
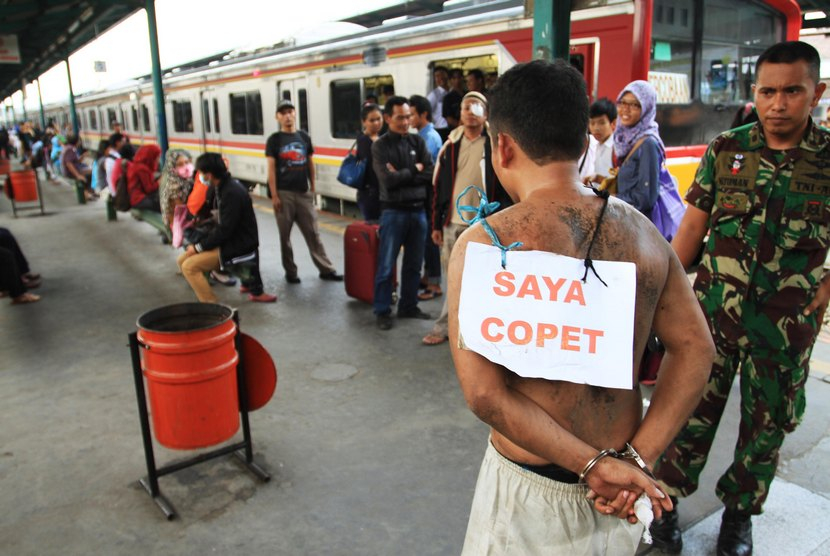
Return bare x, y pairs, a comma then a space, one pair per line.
772, 404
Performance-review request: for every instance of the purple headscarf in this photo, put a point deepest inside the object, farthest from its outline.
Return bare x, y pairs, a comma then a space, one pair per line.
625, 136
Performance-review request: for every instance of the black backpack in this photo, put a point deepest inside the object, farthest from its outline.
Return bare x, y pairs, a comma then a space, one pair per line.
122, 193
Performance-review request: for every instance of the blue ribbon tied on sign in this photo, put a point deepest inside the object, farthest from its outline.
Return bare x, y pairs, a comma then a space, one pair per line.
482, 211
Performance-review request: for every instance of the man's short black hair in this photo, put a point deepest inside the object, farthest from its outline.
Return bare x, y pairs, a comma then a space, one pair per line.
392, 102
790, 52
213, 164
543, 106
477, 73
421, 105
71, 139
603, 107
456, 72
115, 138
439, 68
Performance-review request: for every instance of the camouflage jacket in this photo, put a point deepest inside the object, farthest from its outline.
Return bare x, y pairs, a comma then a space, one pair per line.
769, 232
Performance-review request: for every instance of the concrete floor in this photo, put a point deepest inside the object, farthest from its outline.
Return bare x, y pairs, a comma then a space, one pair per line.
383, 462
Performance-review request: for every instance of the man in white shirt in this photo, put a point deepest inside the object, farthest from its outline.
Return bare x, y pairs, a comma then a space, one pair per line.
116, 141
436, 100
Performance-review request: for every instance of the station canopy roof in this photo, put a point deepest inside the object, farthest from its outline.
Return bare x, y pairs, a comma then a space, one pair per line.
48, 31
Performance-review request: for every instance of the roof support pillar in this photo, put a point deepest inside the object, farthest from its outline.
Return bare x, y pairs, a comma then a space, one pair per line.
158, 89
40, 103
23, 90
551, 28
73, 114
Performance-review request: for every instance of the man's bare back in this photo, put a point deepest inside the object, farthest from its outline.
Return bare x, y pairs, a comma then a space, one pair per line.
602, 417
539, 421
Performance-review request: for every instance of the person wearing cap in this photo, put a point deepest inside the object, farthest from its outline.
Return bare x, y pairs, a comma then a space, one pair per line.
459, 164
291, 188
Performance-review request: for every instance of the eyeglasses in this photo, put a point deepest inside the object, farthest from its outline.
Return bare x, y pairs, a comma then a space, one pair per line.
629, 105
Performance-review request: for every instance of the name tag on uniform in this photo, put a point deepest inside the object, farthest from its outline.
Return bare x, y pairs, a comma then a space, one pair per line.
538, 319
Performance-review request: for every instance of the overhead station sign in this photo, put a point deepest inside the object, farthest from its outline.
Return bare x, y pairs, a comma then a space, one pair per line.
540, 320
9, 50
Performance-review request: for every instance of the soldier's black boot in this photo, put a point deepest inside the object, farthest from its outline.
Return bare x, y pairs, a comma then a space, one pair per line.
665, 531
735, 538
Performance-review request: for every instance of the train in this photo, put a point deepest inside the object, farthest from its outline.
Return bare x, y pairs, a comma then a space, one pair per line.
699, 54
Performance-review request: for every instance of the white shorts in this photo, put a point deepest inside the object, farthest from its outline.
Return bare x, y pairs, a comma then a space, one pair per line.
517, 512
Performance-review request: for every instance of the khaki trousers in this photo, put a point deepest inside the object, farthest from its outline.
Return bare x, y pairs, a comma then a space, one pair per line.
299, 208
452, 232
194, 268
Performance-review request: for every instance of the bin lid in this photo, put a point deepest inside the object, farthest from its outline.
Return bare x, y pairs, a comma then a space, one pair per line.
260, 372
184, 317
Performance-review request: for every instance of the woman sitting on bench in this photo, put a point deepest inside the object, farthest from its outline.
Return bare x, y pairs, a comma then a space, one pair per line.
142, 182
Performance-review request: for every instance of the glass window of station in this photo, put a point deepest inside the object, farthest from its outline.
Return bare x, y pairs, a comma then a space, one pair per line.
705, 50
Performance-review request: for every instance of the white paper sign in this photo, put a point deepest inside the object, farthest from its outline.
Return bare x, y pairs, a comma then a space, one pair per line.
538, 318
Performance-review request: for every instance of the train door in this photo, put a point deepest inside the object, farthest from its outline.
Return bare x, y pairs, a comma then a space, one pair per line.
211, 130
583, 58
296, 90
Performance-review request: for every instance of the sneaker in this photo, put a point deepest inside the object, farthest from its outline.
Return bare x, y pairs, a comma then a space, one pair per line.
332, 277
222, 278
415, 313
385, 321
735, 537
665, 531
292, 279
262, 298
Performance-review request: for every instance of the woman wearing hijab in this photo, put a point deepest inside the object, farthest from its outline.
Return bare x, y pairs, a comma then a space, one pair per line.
638, 146
142, 184
175, 183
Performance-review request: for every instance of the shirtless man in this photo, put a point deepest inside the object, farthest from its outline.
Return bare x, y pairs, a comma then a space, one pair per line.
544, 433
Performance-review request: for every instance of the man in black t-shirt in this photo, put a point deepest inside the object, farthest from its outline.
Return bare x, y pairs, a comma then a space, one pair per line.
290, 173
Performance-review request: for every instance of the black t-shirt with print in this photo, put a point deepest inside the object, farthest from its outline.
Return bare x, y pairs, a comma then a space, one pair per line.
292, 152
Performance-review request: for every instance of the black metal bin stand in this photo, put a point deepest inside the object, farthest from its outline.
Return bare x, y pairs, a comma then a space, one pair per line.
244, 450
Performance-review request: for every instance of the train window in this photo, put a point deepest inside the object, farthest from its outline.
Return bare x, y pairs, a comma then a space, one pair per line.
111, 118
348, 95
346, 99
145, 117
246, 113
135, 118
714, 64
727, 68
302, 99
206, 115
216, 114
93, 120
182, 116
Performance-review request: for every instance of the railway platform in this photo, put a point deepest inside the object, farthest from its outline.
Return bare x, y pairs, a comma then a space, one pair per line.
371, 448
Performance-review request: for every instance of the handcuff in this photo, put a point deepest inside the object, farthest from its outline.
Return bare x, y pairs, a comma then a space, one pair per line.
628, 453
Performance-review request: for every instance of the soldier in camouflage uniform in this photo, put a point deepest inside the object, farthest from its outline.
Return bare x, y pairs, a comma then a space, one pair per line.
763, 193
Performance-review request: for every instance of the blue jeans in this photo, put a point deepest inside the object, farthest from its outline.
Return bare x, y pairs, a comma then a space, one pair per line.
399, 228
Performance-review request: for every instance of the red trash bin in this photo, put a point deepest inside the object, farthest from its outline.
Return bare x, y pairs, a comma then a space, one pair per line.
189, 359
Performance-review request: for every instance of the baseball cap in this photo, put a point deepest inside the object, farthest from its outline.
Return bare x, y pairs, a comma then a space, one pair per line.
283, 104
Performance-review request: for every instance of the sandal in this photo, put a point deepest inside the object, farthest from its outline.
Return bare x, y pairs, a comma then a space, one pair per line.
25, 298
434, 339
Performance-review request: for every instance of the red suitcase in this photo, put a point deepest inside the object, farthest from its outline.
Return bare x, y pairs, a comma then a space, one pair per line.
360, 245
